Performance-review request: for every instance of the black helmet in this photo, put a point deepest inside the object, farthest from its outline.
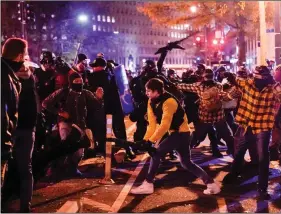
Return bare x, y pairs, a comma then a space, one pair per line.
47, 57
201, 67
150, 64
171, 72
81, 57
221, 69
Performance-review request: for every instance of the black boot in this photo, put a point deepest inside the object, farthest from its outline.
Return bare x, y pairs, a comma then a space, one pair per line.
230, 178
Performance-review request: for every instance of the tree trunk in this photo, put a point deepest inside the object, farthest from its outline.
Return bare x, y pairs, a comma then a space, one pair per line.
242, 48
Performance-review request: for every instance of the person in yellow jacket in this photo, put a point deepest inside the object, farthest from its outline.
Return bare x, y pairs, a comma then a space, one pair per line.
165, 110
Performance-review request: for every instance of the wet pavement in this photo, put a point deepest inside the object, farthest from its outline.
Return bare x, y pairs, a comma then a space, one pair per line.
176, 190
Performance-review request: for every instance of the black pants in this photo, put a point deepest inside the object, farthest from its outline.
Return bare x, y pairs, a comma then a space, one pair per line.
198, 136
221, 128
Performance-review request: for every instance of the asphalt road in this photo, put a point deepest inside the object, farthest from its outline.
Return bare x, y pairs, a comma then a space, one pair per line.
176, 190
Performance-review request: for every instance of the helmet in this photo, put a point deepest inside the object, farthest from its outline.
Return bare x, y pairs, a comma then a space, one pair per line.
171, 72
47, 57
201, 67
150, 66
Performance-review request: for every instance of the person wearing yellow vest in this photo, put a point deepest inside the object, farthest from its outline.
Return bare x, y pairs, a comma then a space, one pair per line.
165, 110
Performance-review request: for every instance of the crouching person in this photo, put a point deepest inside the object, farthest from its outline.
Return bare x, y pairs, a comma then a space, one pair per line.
164, 109
72, 105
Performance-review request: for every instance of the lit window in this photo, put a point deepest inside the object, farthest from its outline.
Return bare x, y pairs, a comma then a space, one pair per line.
103, 19
98, 18
94, 27
94, 18
44, 27
108, 18
103, 29
44, 37
99, 28
113, 20
172, 34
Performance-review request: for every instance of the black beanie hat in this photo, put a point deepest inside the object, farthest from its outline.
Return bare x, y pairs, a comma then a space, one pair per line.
81, 57
262, 72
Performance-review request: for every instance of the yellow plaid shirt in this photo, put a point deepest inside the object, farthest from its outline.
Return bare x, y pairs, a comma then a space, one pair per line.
257, 109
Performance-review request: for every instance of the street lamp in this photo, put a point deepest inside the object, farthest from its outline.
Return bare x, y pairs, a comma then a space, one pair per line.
193, 9
215, 42
82, 18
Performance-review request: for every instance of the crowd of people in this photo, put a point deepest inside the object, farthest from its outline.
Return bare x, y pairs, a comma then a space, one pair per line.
57, 114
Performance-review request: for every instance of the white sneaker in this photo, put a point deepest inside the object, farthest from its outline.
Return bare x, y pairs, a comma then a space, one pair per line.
212, 189
144, 188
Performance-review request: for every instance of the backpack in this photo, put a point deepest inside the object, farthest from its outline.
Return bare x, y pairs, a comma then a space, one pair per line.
210, 99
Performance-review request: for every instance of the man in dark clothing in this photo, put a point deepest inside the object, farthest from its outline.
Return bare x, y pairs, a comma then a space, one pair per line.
112, 105
24, 136
12, 59
209, 119
46, 75
73, 106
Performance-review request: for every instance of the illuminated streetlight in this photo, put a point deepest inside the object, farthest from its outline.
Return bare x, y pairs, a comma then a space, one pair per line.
193, 9
222, 41
198, 39
215, 42
82, 18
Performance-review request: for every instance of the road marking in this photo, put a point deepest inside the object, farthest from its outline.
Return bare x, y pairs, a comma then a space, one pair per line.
126, 189
70, 207
95, 204
126, 171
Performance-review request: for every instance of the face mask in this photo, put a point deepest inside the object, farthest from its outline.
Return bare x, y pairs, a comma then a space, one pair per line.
77, 87
16, 66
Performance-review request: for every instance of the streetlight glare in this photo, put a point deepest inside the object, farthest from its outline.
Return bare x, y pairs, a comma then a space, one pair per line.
215, 42
82, 18
193, 9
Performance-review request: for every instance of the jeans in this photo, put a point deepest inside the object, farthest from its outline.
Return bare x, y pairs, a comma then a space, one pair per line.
222, 131
23, 149
230, 120
181, 143
261, 142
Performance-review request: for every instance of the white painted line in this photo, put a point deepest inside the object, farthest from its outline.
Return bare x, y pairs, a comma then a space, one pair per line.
126, 171
127, 188
95, 204
70, 207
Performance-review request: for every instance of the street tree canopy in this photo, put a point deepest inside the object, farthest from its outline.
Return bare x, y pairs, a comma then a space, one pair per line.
241, 16
238, 15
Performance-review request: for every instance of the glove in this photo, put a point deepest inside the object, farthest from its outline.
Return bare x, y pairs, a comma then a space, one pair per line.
147, 146
151, 150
